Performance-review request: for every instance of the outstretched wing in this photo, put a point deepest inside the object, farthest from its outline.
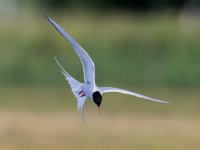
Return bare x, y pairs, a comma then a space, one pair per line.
76, 87
87, 63
112, 89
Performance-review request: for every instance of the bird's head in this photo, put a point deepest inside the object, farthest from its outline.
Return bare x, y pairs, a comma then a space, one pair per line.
97, 98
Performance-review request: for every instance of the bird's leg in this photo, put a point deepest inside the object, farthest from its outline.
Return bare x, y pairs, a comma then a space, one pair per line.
81, 93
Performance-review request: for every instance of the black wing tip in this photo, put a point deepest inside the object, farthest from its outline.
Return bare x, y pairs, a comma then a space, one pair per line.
47, 17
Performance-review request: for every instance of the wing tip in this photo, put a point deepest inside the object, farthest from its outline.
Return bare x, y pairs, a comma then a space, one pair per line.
47, 17
51, 21
164, 102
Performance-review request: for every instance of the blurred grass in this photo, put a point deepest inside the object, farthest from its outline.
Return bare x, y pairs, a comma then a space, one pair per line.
46, 118
63, 131
149, 49
184, 102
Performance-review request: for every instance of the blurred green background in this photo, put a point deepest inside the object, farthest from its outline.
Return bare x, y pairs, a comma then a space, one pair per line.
147, 46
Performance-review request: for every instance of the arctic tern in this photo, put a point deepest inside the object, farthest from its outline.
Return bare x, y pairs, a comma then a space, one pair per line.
88, 89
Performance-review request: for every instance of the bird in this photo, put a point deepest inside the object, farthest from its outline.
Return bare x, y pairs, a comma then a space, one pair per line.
88, 89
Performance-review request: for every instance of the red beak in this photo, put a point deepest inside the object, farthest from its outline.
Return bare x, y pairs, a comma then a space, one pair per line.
99, 110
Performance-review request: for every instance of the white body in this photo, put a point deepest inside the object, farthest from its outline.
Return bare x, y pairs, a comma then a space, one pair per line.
82, 91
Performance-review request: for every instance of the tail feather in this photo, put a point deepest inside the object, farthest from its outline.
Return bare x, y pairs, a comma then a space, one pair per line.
63, 70
74, 84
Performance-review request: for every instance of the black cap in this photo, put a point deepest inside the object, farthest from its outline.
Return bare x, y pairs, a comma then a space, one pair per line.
97, 98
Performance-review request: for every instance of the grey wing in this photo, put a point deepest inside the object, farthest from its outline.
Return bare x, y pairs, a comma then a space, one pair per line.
112, 89
87, 63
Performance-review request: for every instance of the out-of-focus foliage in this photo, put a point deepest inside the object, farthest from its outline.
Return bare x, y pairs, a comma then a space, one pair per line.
127, 49
115, 4
46, 118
